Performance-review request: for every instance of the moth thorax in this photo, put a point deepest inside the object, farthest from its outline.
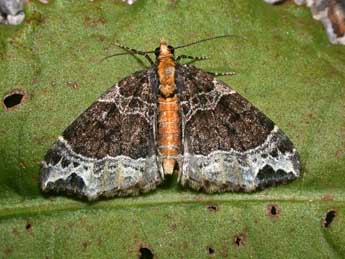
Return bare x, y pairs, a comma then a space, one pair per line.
167, 80
166, 74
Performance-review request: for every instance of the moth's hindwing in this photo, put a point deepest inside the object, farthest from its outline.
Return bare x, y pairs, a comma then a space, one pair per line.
228, 144
110, 149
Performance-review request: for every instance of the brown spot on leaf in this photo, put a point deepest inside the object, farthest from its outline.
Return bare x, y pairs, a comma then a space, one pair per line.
94, 21
224, 251
14, 99
35, 81
197, 198
8, 251
338, 153
291, 125
173, 226
327, 197
185, 245
308, 118
15, 232
35, 18
240, 239
86, 244
101, 38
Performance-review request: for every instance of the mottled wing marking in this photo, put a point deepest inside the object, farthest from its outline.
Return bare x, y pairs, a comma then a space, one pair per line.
228, 144
110, 149
204, 100
131, 105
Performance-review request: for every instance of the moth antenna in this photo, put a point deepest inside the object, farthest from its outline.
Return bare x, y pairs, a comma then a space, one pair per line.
144, 53
129, 51
207, 39
114, 55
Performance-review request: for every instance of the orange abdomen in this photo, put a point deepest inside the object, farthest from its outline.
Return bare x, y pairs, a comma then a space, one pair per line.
169, 132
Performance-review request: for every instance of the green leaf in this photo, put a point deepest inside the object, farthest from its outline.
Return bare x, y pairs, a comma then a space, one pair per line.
285, 66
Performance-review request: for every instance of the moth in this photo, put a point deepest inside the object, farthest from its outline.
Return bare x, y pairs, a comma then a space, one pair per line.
164, 119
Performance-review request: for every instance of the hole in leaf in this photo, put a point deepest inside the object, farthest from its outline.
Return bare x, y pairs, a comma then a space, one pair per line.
210, 250
212, 207
279, 2
145, 253
14, 99
273, 210
240, 239
28, 226
329, 218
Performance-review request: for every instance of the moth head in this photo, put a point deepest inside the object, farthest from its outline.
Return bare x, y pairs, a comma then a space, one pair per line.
164, 50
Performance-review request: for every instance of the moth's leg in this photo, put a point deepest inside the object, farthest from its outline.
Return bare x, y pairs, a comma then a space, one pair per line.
230, 73
191, 57
135, 51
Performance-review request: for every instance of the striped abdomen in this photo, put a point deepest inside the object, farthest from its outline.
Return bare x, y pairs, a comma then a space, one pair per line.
169, 132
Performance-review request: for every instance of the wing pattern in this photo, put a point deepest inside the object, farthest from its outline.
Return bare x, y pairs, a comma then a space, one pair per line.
110, 149
228, 144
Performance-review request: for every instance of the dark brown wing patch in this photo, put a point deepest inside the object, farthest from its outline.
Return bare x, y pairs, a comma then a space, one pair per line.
103, 130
